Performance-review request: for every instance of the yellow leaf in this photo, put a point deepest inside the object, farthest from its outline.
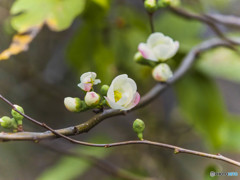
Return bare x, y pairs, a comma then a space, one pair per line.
20, 43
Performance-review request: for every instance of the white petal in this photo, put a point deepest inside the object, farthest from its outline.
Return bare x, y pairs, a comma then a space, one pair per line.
81, 85
174, 49
86, 77
134, 102
119, 79
154, 39
161, 51
125, 99
146, 52
114, 105
110, 93
93, 75
97, 81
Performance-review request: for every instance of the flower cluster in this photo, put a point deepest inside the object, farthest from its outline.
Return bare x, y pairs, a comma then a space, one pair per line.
158, 49
121, 94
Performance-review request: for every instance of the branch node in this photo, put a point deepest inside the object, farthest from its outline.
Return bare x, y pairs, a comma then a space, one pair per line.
76, 131
176, 151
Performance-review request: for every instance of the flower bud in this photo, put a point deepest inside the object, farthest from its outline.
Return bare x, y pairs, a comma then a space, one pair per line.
165, 3
92, 99
162, 72
138, 58
7, 122
18, 117
138, 127
72, 104
150, 5
104, 90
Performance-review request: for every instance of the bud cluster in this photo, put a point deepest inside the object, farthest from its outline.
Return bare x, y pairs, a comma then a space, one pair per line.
14, 123
91, 99
152, 5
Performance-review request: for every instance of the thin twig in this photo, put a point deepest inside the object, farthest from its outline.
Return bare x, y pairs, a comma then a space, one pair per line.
150, 15
204, 19
227, 20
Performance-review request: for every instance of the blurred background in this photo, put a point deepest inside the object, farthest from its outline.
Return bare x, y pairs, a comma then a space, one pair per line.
199, 112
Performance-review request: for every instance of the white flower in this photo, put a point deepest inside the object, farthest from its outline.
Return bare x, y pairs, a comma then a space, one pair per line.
87, 80
122, 93
158, 47
72, 104
162, 72
92, 98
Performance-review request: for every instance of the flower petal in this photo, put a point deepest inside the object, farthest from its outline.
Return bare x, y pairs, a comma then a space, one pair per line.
113, 105
174, 49
161, 52
86, 77
85, 86
146, 52
155, 39
97, 81
134, 101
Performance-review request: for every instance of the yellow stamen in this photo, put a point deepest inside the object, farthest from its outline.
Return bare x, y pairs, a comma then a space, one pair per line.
117, 96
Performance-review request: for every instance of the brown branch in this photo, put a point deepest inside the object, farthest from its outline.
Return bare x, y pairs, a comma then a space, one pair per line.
204, 19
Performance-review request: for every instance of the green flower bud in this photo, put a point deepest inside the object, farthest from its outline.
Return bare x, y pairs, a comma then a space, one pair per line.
8, 123
138, 127
104, 89
138, 58
165, 3
18, 117
150, 5
92, 99
73, 104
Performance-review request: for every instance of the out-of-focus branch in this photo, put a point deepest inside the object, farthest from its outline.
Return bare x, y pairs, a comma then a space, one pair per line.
101, 164
204, 19
227, 20
89, 124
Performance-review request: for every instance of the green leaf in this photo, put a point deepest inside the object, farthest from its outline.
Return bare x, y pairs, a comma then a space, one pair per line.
231, 133
201, 104
57, 14
221, 62
88, 49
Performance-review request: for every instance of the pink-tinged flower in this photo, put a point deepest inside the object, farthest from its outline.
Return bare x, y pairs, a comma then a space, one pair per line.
87, 80
122, 93
158, 47
92, 99
162, 72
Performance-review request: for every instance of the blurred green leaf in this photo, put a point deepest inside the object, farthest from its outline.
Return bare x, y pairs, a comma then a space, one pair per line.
88, 50
69, 167
58, 15
202, 105
221, 62
207, 172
